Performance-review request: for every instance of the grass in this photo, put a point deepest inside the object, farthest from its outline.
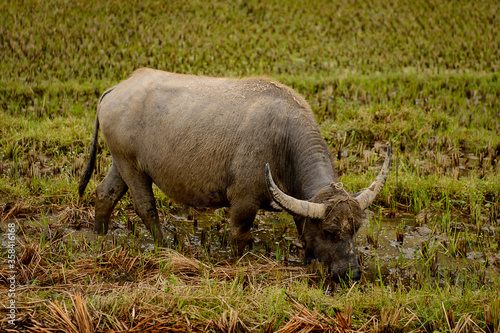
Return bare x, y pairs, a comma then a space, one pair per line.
422, 75
67, 281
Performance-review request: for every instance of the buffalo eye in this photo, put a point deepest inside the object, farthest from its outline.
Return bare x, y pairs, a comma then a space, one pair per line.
328, 234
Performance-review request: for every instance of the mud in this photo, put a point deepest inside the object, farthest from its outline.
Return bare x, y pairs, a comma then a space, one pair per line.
399, 250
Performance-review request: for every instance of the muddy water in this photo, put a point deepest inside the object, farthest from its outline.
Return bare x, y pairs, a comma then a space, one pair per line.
403, 250
206, 235
394, 250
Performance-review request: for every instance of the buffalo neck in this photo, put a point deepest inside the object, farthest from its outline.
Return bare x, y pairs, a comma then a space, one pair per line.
309, 163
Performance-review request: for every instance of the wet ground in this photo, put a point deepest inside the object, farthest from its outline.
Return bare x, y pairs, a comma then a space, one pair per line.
403, 250
399, 250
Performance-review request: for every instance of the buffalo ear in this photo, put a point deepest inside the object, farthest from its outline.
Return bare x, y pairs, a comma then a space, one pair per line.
299, 207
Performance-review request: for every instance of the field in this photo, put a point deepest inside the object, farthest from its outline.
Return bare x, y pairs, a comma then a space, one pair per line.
423, 75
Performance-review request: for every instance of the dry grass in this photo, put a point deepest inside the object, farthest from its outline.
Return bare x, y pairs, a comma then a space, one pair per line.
81, 289
116, 289
71, 284
304, 320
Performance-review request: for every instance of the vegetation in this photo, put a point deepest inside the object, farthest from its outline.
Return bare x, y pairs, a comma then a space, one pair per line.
421, 75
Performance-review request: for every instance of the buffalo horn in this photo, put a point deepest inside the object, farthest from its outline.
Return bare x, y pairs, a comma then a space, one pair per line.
291, 204
366, 197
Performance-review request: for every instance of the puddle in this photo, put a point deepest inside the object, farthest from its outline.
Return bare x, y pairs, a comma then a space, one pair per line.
402, 250
392, 249
205, 235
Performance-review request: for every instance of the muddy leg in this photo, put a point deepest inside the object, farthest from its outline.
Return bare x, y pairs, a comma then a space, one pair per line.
145, 206
140, 186
108, 193
241, 223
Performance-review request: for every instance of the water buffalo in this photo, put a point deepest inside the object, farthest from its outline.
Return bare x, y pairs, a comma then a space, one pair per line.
215, 142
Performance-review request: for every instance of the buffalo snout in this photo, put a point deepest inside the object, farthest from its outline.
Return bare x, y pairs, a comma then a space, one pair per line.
339, 256
353, 273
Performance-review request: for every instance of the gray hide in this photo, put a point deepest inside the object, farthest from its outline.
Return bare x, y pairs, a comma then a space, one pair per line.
205, 142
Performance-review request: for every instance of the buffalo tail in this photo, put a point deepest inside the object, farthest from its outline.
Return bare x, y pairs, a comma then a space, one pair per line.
89, 169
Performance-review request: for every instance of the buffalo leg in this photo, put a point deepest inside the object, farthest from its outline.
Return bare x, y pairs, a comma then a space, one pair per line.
140, 186
108, 193
241, 223
145, 206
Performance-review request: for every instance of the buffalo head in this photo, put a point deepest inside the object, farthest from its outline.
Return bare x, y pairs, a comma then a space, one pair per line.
329, 220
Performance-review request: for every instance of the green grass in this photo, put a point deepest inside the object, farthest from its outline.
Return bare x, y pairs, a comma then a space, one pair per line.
121, 286
92, 41
422, 75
